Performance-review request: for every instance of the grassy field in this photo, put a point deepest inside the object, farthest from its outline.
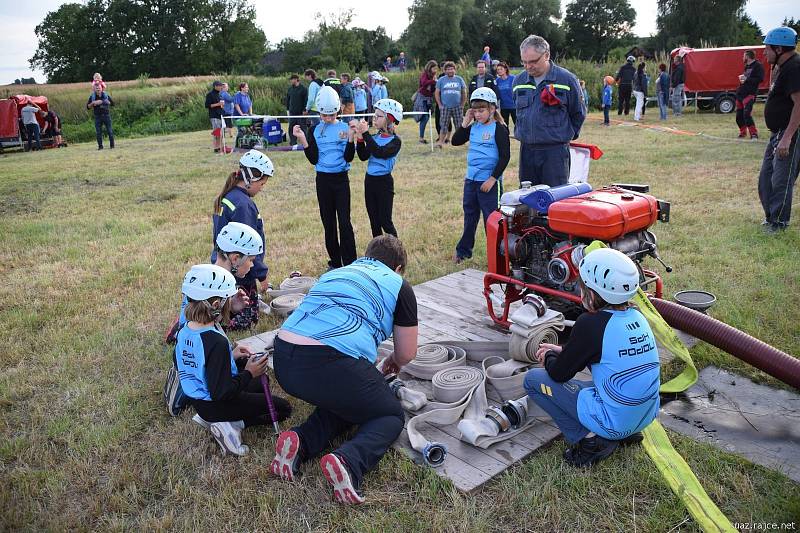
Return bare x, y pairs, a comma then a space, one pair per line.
95, 245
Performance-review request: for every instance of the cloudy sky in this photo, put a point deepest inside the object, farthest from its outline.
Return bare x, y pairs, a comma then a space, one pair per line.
18, 40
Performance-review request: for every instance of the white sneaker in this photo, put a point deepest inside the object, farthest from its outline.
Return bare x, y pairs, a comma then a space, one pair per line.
229, 437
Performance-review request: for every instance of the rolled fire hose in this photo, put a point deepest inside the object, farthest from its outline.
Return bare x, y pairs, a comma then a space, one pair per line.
292, 285
529, 330
284, 305
432, 358
761, 355
506, 376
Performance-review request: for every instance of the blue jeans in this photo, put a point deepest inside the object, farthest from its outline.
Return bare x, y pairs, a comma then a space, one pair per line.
423, 122
476, 202
606, 109
559, 400
662, 105
677, 100
346, 392
547, 165
99, 121
776, 181
32, 133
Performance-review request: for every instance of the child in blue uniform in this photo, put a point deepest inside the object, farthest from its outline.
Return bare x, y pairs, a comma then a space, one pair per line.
381, 150
615, 341
235, 204
359, 96
608, 81
330, 149
220, 381
487, 158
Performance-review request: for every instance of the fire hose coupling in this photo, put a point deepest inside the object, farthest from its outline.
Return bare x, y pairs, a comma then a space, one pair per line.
511, 415
434, 454
537, 302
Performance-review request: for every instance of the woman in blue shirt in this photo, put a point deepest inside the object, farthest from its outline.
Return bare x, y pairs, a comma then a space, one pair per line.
505, 86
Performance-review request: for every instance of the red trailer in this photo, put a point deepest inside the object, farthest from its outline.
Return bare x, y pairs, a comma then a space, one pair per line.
712, 74
12, 133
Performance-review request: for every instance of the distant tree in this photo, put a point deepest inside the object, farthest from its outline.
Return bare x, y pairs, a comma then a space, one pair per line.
694, 22
593, 27
434, 30
339, 42
508, 22
375, 46
791, 23
748, 31
122, 39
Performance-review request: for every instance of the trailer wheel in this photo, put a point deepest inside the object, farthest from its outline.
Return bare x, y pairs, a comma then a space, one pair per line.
725, 104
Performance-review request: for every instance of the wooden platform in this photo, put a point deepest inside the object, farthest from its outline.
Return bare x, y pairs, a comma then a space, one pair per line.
453, 308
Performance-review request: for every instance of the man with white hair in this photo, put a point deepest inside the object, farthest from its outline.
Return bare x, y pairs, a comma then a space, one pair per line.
550, 114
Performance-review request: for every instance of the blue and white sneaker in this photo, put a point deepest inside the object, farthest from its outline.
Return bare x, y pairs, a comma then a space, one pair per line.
200, 421
174, 398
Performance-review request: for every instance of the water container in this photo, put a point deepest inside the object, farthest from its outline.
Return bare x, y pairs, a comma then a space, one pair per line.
541, 199
515, 197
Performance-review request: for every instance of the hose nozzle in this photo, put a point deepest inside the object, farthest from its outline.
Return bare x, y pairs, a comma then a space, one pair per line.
434, 454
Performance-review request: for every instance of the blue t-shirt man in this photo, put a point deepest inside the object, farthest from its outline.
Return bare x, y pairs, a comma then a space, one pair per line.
450, 88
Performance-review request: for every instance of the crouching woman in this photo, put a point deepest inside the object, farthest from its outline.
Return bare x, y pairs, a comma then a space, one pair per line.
325, 355
615, 341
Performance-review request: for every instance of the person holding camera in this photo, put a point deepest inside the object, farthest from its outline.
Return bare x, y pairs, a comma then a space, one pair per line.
218, 379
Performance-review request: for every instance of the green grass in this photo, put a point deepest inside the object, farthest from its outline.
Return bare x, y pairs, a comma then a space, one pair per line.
95, 245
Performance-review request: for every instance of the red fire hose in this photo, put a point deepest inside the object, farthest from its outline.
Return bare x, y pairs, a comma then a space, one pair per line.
761, 355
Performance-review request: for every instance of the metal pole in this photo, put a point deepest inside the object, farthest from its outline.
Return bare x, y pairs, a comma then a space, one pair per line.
430, 127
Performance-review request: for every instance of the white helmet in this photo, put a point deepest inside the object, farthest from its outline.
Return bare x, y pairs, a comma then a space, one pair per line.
328, 101
238, 237
391, 107
611, 274
485, 94
630, 59
207, 281
255, 160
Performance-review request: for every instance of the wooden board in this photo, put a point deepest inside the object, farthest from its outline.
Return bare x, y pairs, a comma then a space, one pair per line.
452, 308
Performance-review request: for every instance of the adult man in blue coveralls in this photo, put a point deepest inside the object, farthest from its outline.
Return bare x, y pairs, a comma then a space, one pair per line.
550, 114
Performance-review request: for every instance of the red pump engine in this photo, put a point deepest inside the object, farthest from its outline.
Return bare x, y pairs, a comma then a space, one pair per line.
529, 251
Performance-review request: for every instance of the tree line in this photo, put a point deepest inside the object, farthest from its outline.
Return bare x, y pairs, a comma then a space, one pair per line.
124, 39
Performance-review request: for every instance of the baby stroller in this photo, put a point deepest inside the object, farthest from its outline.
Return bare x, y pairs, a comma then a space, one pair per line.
248, 134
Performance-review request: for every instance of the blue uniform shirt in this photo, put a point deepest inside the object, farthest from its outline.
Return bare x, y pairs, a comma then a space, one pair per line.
482, 156
243, 101
360, 99
350, 309
541, 124
311, 102
624, 398
450, 90
377, 166
190, 360
227, 99
238, 206
607, 95
505, 88
331, 142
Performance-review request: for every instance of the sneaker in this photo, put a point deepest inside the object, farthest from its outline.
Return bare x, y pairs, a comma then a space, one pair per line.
742, 135
228, 149
287, 456
99, 147
632, 440
338, 476
754, 137
229, 437
771, 229
200, 421
174, 398
591, 450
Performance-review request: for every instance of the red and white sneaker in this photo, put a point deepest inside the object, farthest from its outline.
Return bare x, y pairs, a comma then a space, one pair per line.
287, 456
337, 475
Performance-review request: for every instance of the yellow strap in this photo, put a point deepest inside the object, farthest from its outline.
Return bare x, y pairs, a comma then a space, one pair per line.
229, 204
525, 86
682, 480
559, 86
